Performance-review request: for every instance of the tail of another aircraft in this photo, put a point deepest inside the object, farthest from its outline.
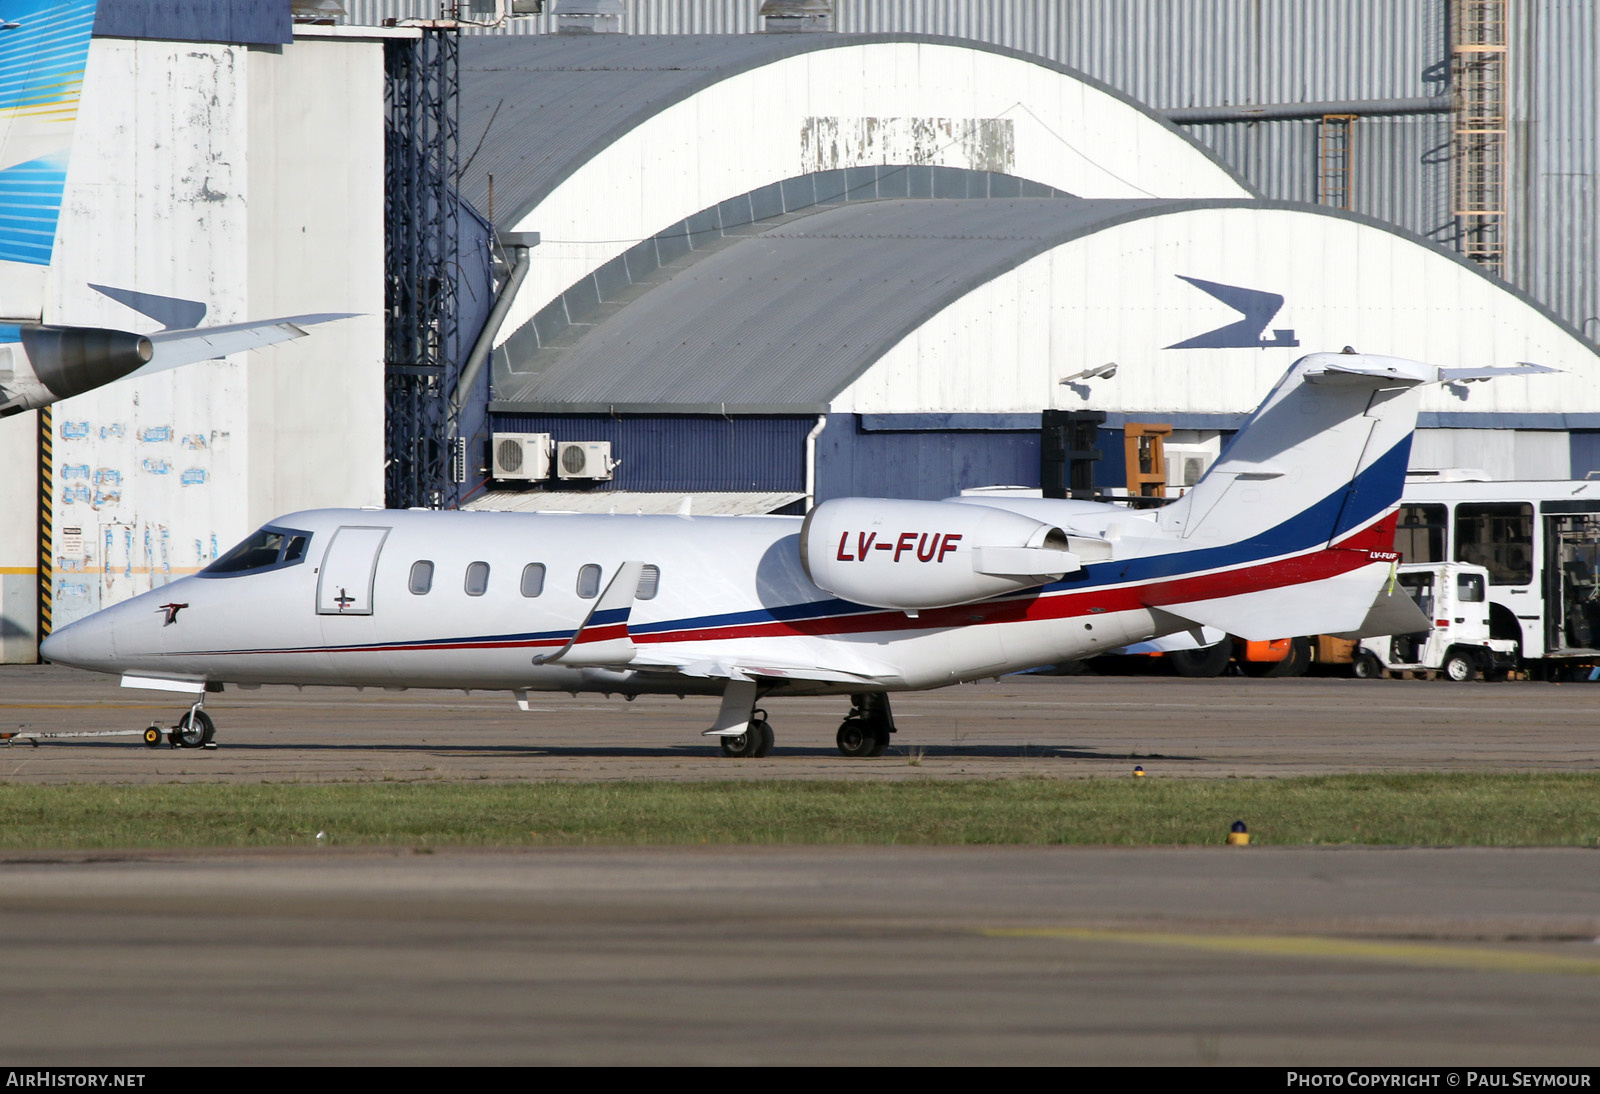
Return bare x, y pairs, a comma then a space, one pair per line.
44, 52
1298, 513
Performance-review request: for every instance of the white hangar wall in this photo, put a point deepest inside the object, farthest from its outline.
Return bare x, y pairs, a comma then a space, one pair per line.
854, 105
1117, 295
250, 180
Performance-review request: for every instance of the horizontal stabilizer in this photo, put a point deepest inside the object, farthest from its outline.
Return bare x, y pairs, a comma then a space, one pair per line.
1468, 375
1330, 606
183, 347
1392, 612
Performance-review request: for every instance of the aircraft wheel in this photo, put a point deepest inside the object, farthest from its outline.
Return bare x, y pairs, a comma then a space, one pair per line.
741, 745
857, 739
1205, 662
764, 738
1366, 667
193, 732
1459, 668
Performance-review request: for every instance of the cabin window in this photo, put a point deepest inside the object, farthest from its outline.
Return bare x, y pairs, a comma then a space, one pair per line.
649, 582
477, 579
533, 579
1469, 588
421, 577
266, 549
1499, 537
1420, 534
589, 581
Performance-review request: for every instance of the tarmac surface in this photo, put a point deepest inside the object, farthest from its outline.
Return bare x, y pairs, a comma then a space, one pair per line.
1040, 726
881, 955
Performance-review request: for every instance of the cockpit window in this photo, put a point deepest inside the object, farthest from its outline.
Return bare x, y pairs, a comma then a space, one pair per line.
267, 549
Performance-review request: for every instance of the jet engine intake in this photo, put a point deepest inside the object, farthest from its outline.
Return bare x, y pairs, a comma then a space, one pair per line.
910, 555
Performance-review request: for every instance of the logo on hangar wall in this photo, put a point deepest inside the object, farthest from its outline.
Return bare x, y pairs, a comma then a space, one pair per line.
1256, 306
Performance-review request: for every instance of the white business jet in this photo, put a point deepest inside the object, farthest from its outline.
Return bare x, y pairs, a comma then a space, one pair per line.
1290, 532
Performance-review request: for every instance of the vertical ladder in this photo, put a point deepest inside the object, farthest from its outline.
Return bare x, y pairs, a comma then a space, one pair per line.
1335, 151
1478, 78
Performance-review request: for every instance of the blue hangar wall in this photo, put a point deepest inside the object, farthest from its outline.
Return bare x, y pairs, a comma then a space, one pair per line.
857, 455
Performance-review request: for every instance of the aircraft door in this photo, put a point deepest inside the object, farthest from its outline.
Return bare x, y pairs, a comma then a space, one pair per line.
344, 583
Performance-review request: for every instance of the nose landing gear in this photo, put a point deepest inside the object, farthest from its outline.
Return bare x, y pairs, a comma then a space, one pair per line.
194, 730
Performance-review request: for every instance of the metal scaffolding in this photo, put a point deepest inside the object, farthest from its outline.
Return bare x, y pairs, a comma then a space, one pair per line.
1478, 78
422, 343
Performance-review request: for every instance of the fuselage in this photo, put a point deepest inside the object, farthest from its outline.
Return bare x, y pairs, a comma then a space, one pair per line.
475, 600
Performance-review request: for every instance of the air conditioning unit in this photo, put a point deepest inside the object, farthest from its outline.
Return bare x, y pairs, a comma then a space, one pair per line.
1186, 464
523, 456
584, 460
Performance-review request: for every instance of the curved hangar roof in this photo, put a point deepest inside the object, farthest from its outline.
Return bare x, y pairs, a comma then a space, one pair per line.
600, 141
984, 306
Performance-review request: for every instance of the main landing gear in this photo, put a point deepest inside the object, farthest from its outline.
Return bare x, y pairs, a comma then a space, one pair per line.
865, 730
194, 730
755, 741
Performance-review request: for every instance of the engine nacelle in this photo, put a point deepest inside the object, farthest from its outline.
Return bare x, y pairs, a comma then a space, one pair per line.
50, 363
911, 555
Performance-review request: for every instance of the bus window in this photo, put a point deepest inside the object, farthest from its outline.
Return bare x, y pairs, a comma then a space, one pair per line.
1420, 534
1497, 535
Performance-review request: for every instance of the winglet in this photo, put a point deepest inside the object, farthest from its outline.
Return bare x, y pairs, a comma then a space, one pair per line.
603, 637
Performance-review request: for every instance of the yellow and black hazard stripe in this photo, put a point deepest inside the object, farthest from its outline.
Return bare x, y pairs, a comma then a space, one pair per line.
47, 524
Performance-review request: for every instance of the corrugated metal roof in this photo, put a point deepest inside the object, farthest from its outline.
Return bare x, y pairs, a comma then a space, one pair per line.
783, 321
534, 108
789, 317
630, 502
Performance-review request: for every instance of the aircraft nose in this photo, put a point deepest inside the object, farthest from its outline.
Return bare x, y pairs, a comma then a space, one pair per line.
87, 644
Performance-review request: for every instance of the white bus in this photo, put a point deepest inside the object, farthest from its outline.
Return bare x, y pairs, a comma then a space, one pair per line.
1540, 542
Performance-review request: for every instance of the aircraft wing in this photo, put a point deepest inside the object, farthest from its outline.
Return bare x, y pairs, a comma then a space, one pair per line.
764, 668
182, 347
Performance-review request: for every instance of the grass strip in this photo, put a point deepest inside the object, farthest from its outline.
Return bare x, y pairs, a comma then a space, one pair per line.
1459, 810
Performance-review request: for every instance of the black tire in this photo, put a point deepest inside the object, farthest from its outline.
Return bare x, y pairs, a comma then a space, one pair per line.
742, 745
1459, 667
195, 733
1364, 666
764, 737
859, 740
152, 737
1295, 664
1203, 662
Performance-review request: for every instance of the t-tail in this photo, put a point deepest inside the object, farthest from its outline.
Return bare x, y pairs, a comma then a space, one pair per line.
44, 52
1292, 530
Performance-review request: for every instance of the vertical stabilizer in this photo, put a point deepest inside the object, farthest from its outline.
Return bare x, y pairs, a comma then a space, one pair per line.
1324, 456
44, 49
